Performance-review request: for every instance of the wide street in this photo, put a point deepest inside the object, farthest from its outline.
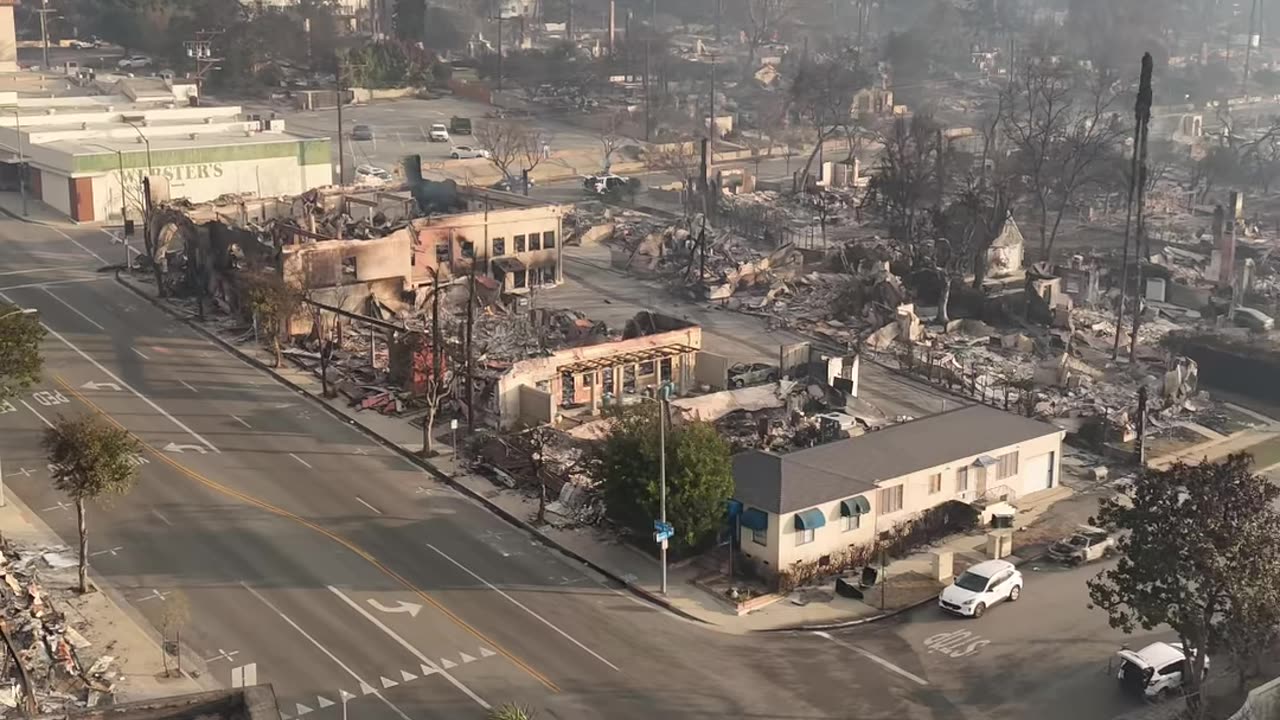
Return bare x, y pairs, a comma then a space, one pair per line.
317, 560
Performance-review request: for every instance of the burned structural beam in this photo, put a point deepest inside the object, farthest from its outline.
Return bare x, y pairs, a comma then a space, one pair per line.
356, 316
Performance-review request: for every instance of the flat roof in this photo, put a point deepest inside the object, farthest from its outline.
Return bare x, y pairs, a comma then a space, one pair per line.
804, 478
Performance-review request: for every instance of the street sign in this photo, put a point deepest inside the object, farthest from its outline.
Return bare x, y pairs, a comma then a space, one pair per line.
666, 527
661, 537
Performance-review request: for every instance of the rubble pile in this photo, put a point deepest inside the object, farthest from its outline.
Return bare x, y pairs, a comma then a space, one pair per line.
545, 460
56, 673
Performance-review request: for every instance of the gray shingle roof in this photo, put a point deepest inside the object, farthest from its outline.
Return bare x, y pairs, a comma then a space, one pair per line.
801, 479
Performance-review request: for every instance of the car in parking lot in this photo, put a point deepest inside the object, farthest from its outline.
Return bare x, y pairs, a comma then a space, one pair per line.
133, 62
1086, 544
1253, 319
980, 587
361, 132
90, 44
373, 175
466, 152
1156, 671
601, 184
744, 374
512, 185
438, 133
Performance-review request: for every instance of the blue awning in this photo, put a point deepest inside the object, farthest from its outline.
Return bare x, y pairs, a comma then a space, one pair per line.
855, 506
754, 519
810, 519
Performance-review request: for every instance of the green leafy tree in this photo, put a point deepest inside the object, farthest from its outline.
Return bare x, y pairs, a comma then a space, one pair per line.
699, 476
1199, 552
20, 360
90, 458
393, 63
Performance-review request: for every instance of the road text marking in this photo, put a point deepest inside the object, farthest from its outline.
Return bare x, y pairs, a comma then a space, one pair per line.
957, 644
874, 658
223, 655
520, 605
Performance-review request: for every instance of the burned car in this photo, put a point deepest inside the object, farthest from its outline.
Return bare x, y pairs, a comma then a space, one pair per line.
1086, 544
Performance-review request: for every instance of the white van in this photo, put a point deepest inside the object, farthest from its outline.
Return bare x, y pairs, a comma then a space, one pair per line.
1155, 671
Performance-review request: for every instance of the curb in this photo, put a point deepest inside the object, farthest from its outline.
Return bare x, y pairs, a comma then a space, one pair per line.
16, 216
416, 460
886, 615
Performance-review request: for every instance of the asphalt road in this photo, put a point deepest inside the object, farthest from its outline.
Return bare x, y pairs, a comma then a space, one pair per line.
314, 559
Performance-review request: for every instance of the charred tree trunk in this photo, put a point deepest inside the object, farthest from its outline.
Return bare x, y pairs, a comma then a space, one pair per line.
1142, 246
84, 546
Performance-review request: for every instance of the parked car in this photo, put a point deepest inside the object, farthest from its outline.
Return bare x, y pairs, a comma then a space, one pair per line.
90, 44
361, 132
373, 174
601, 184
438, 133
980, 587
1086, 544
743, 374
1253, 319
133, 62
513, 185
466, 152
460, 125
1155, 671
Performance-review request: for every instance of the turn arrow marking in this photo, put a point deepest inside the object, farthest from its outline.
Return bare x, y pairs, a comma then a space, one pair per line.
91, 385
176, 448
404, 607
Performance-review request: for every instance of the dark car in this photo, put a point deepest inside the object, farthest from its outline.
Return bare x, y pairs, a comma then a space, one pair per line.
361, 132
460, 125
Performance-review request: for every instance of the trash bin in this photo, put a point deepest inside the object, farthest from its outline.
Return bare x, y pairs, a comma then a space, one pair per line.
128, 228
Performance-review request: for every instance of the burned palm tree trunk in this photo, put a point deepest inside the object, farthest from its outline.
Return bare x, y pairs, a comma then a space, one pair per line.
1141, 244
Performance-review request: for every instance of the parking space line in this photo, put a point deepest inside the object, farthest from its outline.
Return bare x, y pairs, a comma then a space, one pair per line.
520, 605
323, 649
874, 658
37, 413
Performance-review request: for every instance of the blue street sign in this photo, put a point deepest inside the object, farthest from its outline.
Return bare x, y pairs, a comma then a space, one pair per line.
661, 536
667, 528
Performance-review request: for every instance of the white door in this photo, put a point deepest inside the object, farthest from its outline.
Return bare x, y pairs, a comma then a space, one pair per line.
1037, 473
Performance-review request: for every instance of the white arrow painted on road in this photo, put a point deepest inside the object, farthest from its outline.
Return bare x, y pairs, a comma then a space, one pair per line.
407, 676
486, 652
447, 664
404, 607
426, 670
91, 385
303, 709
467, 658
176, 448
345, 696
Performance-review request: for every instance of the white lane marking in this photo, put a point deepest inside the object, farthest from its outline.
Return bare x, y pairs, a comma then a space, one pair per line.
140, 353
53, 282
68, 305
163, 519
242, 422
82, 247
184, 383
155, 595
873, 658
362, 502
520, 605
42, 269
37, 414
295, 457
405, 644
123, 384
325, 650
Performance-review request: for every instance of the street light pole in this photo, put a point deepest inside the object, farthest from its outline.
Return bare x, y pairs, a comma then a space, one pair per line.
20, 311
662, 479
145, 141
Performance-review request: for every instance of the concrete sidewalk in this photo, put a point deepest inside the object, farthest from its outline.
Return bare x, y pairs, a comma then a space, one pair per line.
630, 566
103, 618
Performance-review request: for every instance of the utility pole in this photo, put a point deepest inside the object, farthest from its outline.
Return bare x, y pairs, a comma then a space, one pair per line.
662, 477
1142, 245
711, 134
568, 23
1142, 105
500, 58
201, 50
719, 20
1253, 39
44, 32
436, 373
1140, 443
22, 161
471, 320
648, 87
341, 78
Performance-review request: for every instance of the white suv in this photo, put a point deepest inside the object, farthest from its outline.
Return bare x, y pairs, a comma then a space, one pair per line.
1155, 671
980, 587
438, 133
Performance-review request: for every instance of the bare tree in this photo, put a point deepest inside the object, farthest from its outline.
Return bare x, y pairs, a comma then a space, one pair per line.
679, 160
904, 183
503, 141
175, 616
764, 19
611, 132
822, 94
1060, 131
271, 303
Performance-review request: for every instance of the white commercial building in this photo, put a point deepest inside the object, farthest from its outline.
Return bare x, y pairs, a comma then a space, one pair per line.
87, 154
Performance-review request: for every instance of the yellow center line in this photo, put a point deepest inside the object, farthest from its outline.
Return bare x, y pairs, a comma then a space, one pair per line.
268, 507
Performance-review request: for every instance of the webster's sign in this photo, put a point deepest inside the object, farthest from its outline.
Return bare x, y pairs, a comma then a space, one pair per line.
175, 173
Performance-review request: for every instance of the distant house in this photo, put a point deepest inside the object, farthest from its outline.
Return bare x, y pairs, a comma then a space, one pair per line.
1004, 257
806, 504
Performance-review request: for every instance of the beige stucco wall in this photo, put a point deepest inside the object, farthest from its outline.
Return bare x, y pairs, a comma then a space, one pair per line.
916, 497
56, 190
377, 259
505, 223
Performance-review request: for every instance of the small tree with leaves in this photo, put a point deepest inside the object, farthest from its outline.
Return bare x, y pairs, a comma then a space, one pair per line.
90, 459
271, 303
1199, 552
20, 361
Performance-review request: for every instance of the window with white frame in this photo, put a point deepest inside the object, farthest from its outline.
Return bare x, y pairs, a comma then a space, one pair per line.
1007, 465
851, 522
891, 499
962, 479
935, 483
760, 537
804, 537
